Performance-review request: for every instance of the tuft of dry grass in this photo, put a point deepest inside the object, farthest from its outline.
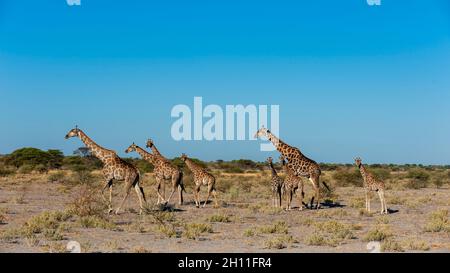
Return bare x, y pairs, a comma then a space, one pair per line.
140, 249
280, 227
438, 221
194, 230
379, 234
94, 221
219, 218
416, 245
280, 242
390, 245
167, 230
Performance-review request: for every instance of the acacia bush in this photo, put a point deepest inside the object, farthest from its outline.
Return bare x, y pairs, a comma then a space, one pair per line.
35, 159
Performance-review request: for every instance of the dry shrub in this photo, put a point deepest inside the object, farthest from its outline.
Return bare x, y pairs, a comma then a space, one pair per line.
86, 202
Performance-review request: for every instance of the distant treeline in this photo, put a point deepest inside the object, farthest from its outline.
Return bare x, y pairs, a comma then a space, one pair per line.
27, 160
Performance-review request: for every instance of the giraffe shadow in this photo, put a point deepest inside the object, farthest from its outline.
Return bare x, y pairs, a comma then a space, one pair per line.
166, 208
192, 202
392, 211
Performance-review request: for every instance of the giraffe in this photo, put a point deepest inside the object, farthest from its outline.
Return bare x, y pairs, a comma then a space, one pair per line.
300, 165
163, 170
277, 184
179, 184
292, 183
201, 177
372, 184
114, 168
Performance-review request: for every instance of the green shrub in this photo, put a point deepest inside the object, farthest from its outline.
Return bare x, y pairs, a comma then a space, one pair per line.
345, 177
35, 157
25, 169
382, 174
417, 178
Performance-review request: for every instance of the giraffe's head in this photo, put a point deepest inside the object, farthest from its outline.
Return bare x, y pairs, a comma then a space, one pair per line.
358, 161
132, 148
269, 160
262, 132
73, 133
183, 157
149, 143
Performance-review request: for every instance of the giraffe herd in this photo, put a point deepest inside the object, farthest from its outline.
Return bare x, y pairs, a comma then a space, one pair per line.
295, 165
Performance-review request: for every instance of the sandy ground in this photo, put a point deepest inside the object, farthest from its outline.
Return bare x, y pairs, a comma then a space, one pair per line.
24, 196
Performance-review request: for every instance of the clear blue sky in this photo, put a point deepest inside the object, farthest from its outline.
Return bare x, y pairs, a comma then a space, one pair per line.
350, 79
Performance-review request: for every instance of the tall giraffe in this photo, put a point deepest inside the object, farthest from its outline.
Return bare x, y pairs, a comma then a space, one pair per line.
163, 170
150, 144
372, 184
296, 161
201, 177
292, 184
277, 184
114, 168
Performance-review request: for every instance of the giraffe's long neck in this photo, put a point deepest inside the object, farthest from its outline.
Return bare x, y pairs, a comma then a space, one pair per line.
363, 171
97, 150
274, 172
146, 155
191, 165
281, 146
156, 151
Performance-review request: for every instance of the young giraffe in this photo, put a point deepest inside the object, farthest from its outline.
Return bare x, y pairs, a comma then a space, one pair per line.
372, 184
292, 183
201, 177
163, 170
297, 162
114, 168
276, 185
177, 180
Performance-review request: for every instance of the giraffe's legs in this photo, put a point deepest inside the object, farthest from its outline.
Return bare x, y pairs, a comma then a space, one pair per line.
197, 196
301, 193
383, 202
180, 188
214, 192
368, 201
158, 187
315, 182
141, 196
171, 194
127, 192
210, 189
180, 195
175, 185
109, 185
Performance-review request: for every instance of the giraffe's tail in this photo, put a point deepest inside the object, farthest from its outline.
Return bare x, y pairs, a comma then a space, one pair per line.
326, 186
